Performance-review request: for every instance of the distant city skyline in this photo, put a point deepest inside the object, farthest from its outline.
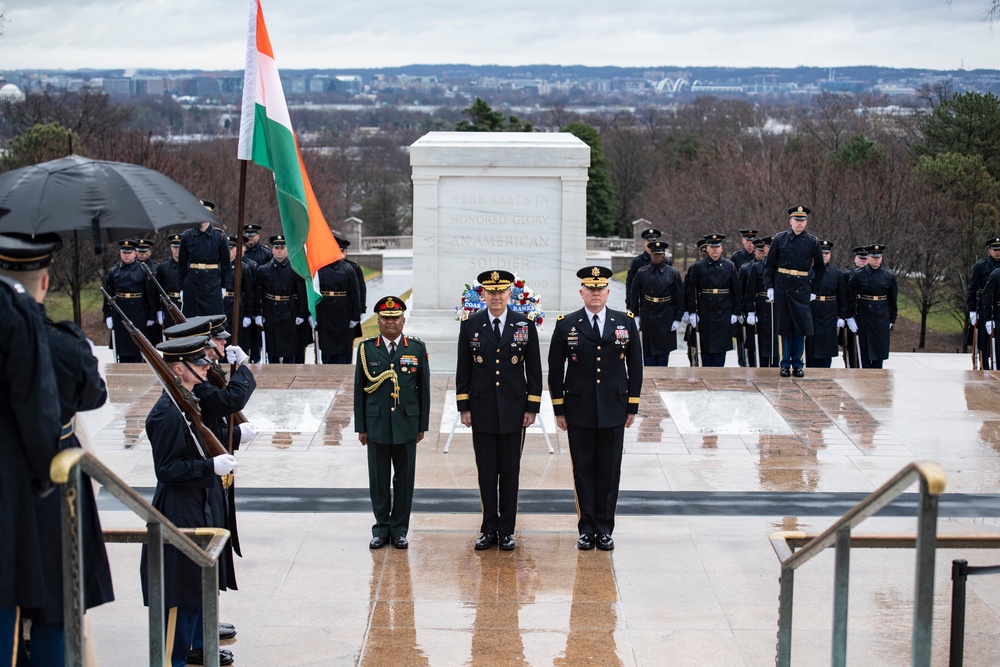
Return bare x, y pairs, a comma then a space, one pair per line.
211, 34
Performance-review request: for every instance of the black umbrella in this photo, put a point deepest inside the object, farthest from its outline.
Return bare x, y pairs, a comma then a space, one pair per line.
99, 200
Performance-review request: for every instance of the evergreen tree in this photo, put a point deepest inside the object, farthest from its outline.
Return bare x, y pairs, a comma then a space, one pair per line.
601, 204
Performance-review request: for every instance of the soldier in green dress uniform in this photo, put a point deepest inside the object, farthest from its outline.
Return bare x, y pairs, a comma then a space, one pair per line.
391, 414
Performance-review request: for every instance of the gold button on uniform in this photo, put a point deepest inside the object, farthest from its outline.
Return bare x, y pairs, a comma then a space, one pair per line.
598, 370
598, 358
498, 372
598, 347
498, 361
498, 384
598, 382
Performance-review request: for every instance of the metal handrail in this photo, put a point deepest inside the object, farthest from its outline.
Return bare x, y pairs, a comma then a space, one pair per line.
65, 470
932, 480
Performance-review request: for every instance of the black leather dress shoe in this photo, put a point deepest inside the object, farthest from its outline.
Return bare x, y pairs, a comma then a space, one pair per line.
585, 543
227, 631
197, 657
485, 541
400, 542
605, 543
378, 542
507, 543
785, 372
798, 372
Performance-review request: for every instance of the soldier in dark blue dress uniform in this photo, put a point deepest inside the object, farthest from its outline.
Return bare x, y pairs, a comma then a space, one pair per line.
746, 253
168, 277
872, 294
189, 492
741, 257
38, 393
127, 282
788, 280
659, 306
829, 311
595, 377
762, 335
642, 259
203, 268
360, 275
712, 295
260, 254
281, 306
247, 301
981, 270
338, 313
144, 255
498, 388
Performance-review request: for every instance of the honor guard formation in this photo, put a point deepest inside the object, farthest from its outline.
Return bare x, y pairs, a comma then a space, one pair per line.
779, 301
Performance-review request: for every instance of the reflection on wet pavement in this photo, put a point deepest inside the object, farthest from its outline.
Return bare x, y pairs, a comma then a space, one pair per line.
686, 589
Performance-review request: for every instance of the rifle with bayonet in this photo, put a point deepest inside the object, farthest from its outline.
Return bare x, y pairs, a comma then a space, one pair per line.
185, 401
216, 375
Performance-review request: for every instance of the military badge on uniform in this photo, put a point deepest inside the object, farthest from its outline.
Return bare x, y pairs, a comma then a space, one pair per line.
408, 363
479, 360
514, 359
621, 335
521, 333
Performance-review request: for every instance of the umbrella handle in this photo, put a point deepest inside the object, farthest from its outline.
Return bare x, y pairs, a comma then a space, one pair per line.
95, 225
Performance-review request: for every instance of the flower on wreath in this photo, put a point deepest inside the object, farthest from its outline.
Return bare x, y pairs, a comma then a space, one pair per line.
522, 300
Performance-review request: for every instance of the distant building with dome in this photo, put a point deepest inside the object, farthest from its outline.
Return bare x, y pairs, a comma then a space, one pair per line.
10, 93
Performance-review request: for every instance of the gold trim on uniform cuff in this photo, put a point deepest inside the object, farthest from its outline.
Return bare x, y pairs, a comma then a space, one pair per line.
557, 401
534, 399
634, 400
461, 397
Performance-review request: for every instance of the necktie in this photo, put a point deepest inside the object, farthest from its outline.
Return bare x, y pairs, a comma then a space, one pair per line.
496, 328
392, 350
597, 329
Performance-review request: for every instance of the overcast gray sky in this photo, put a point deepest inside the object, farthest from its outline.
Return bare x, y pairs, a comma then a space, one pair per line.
211, 34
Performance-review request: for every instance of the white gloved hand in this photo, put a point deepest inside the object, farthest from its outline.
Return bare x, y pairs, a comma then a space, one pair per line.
247, 433
236, 355
770, 294
675, 325
852, 325
686, 319
637, 321
159, 317
693, 318
752, 319
298, 321
733, 319
182, 295
110, 322
224, 464
812, 297
312, 322
150, 323
988, 328
259, 320
246, 322
840, 323
353, 324
741, 319
223, 292
973, 318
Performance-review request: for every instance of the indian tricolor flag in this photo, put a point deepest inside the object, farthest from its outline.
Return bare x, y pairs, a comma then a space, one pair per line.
267, 138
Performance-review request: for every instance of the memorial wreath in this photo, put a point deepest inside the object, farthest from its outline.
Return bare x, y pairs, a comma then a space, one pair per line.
522, 300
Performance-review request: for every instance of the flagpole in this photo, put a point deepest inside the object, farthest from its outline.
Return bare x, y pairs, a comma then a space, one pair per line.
237, 279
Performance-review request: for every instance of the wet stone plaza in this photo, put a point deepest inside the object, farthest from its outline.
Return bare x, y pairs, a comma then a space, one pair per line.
717, 460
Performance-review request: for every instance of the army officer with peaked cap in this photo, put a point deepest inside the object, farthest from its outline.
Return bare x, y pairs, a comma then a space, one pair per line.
391, 414
498, 387
595, 376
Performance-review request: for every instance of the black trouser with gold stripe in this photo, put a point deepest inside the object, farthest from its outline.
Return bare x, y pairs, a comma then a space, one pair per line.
498, 460
597, 472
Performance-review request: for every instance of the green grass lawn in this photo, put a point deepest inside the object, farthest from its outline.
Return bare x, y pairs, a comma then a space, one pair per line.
939, 319
59, 305
370, 273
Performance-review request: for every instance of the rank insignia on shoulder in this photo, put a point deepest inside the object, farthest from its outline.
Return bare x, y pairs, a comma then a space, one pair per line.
630, 314
415, 338
465, 316
560, 318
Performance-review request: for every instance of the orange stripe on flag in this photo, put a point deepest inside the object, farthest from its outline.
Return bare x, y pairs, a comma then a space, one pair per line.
263, 41
321, 247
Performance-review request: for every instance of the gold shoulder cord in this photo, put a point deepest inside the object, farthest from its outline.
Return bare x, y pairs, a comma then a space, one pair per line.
377, 381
